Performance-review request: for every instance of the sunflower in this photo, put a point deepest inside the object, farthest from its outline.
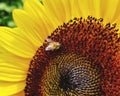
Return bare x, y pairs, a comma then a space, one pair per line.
62, 48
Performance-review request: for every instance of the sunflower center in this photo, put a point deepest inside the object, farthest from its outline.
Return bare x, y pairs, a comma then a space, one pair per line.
65, 82
71, 75
76, 60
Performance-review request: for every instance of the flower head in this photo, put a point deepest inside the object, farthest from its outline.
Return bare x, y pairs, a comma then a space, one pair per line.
62, 48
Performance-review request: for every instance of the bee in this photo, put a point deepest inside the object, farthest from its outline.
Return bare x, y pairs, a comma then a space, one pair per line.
52, 45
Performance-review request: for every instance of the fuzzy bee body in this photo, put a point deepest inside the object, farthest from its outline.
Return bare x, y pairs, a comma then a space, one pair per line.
52, 45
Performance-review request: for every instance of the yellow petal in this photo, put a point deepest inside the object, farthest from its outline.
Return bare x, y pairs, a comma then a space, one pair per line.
56, 8
14, 61
108, 9
8, 73
25, 22
69, 8
12, 67
36, 10
62, 10
16, 42
87, 8
116, 14
19, 94
10, 88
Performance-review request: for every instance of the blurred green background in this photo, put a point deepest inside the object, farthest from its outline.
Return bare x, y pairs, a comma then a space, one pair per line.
6, 7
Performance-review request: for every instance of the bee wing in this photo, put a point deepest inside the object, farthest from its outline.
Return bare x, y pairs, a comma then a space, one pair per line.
48, 48
49, 40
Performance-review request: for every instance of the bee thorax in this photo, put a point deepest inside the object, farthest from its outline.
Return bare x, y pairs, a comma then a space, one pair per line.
53, 46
